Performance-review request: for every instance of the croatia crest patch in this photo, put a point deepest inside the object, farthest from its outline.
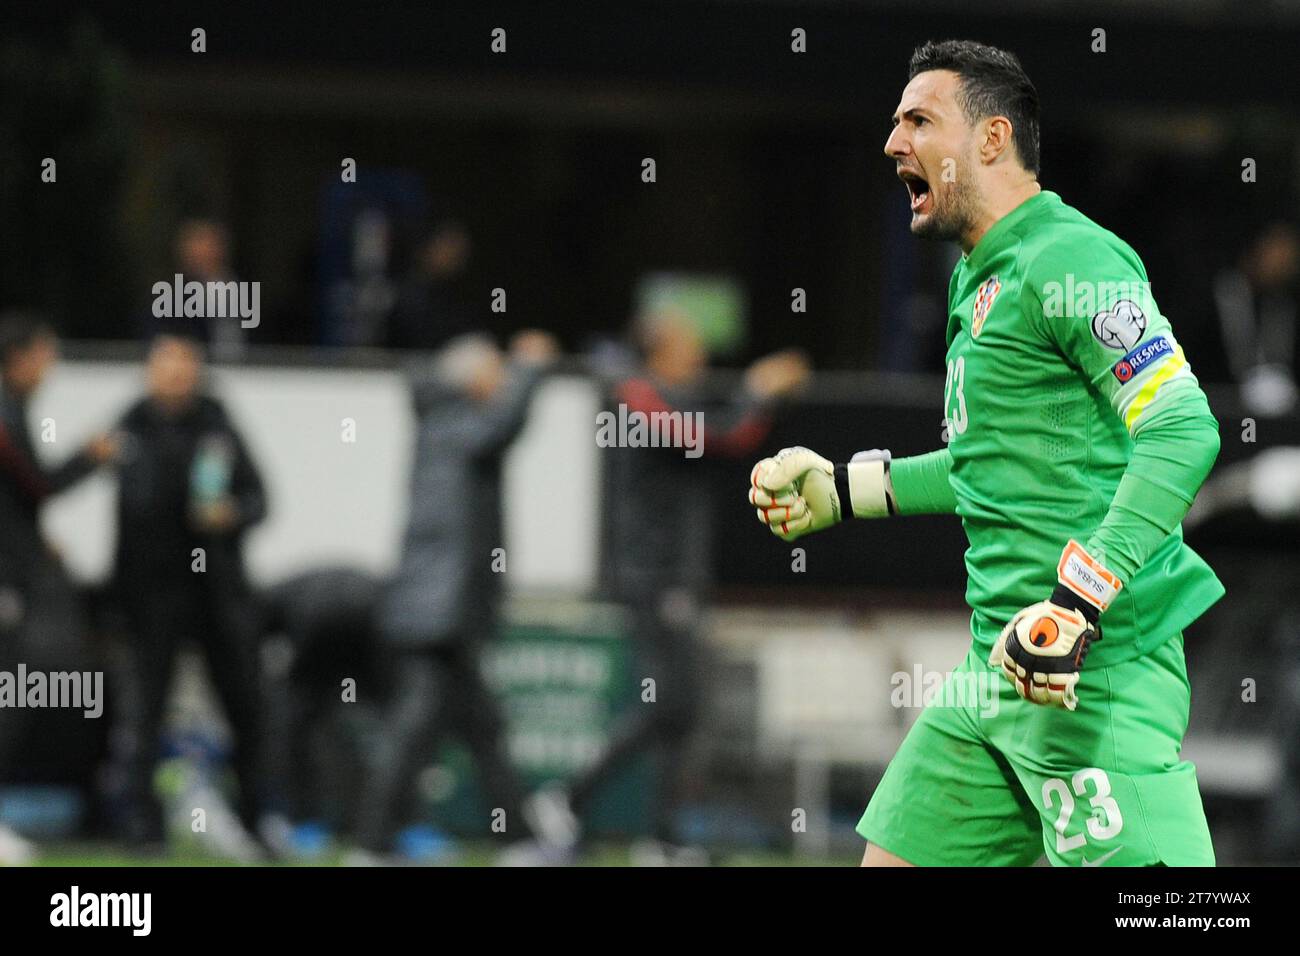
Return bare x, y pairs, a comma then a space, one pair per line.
984, 296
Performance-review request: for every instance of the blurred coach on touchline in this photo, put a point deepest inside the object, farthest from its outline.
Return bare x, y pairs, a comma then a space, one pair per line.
440, 609
188, 491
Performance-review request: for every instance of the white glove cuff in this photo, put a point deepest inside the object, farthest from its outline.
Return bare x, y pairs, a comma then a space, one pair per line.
870, 491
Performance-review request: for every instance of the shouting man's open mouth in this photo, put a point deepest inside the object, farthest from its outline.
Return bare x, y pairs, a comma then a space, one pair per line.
918, 188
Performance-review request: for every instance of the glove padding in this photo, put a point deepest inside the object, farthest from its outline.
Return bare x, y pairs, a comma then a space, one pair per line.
1042, 649
794, 493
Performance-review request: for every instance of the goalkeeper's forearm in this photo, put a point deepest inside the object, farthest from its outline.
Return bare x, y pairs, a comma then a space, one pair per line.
1172, 454
873, 486
921, 485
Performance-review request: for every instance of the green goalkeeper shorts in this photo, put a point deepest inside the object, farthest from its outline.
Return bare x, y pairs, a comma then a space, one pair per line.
989, 779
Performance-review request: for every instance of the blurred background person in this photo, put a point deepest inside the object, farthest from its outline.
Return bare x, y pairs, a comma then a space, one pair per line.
431, 308
659, 556
1256, 302
315, 738
188, 491
443, 603
41, 615
360, 302
201, 253
1259, 494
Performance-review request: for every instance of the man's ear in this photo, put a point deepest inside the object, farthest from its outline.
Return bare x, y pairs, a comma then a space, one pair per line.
997, 139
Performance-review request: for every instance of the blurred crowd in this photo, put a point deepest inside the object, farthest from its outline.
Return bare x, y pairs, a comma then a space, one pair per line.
189, 490
423, 299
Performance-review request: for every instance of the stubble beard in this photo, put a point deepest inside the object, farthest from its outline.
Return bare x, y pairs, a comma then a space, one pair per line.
952, 220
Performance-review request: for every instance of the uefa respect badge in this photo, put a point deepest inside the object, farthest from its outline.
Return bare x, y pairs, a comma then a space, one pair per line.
1142, 356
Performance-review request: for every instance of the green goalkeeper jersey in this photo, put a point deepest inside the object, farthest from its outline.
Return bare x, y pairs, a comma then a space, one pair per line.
1070, 412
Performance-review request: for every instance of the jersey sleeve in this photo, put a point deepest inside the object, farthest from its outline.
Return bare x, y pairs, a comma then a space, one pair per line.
1091, 301
921, 485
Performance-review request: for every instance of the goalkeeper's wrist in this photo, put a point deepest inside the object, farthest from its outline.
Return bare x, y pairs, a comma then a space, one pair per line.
1084, 583
1064, 597
864, 486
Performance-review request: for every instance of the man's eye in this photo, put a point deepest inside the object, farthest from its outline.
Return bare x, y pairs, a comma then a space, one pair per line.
919, 120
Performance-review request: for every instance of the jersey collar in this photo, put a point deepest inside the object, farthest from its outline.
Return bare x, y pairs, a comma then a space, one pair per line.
992, 240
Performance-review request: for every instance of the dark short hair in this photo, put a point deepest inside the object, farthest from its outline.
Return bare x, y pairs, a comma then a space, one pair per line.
993, 83
19, 330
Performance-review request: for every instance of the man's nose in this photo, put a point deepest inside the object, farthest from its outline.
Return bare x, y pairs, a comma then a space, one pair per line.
897, 144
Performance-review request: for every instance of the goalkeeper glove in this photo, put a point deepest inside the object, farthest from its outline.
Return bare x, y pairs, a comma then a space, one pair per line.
1042, 648
797, 491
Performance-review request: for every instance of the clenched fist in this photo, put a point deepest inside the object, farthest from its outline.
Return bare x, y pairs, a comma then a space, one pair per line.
794, 493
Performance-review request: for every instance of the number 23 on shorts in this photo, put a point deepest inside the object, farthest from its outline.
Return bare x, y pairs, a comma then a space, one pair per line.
1102, 825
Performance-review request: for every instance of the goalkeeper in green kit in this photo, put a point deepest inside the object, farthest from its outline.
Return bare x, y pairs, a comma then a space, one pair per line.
1077, 438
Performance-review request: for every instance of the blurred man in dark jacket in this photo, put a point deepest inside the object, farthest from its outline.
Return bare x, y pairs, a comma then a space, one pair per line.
442, 605
28, 349
658, 552
431, 309
1257, 310
326, 616
202, 254
41, 619
188, 491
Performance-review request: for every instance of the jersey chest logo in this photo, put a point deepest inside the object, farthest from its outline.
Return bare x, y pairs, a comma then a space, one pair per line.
984, 296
